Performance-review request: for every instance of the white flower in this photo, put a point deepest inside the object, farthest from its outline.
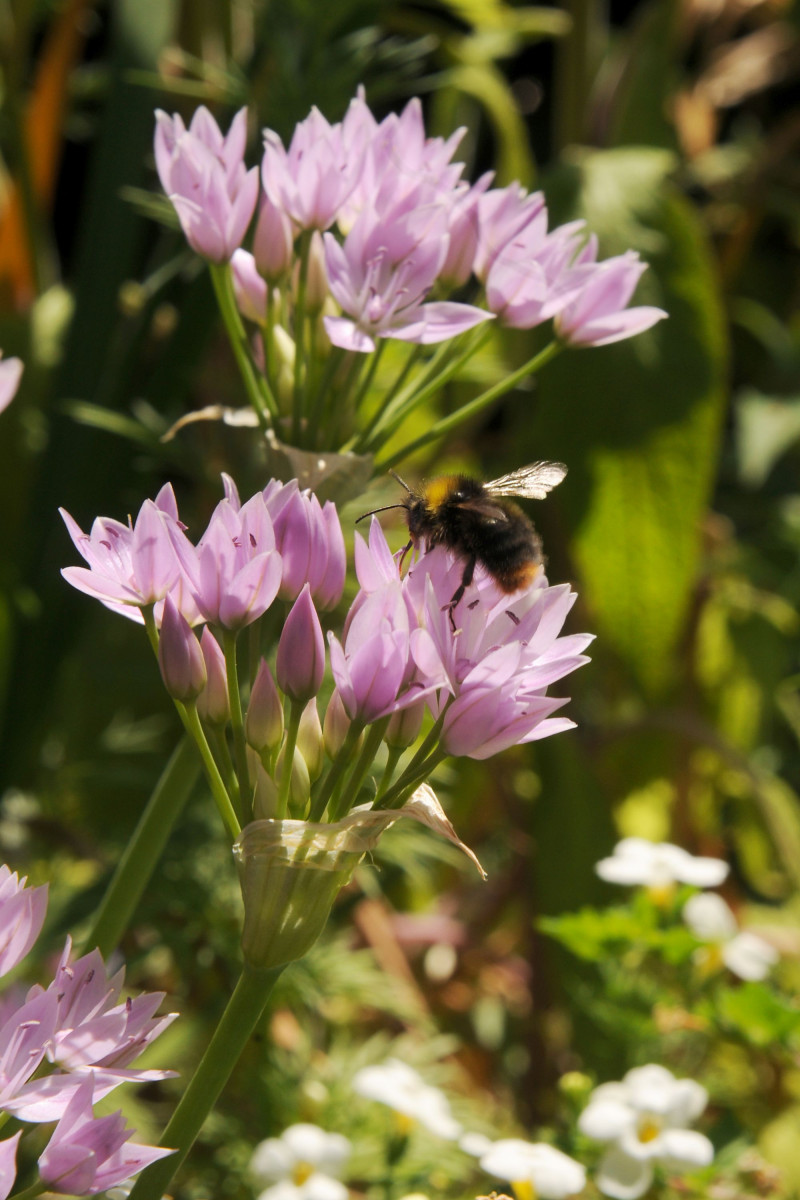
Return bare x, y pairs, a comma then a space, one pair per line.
659, 865
399, 1086
711, 920
534, 1169
302, 1164
645, 1118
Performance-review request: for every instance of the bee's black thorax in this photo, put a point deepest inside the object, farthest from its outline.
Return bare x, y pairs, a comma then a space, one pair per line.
458, 512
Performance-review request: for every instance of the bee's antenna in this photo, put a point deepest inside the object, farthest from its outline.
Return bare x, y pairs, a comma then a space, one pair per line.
402, 482
385, 508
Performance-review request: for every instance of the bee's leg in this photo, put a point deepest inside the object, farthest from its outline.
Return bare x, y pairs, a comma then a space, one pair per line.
466, 580
403, 555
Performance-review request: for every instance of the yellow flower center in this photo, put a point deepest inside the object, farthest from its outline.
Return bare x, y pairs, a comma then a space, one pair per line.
661, 894
403, 1123
648, 1130
524, 1189
302, 1171
709, 959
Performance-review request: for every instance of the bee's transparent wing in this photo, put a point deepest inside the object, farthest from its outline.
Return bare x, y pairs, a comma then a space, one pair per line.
532, 482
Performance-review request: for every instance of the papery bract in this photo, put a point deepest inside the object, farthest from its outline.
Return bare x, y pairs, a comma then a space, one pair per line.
204, 175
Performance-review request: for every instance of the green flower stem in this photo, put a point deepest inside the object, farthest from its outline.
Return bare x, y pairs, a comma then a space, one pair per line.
475, 406
321, 390
366, 382
409, 781
292, 725
188, 714
337, 768
300, 334
237, 716
344, 797
266, 338
136, 867
222, 755
364, 436
418, 762
243, 1014
406, 402
258, 389
29, 1193
395, 753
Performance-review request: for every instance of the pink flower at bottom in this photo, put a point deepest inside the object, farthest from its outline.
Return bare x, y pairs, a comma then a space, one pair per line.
89, 1154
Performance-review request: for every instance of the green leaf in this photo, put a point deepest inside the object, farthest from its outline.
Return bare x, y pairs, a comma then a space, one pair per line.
638, 422
766, 427
593, 933
757, 1013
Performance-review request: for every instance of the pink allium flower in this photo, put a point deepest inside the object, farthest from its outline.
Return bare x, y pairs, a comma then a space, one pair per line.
502, 214
249, 287
130, 567
22, 913
24, 1037
10, 374
238, 568
311, 180
311, 543
490, 678
598, 315
382, 274
531, 279
8, 1163
89, 1154
204, 175
463, 227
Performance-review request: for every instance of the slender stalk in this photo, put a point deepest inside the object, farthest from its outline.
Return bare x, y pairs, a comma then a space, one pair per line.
241, 1017
406, 402
192, 724
366, 382
440, 428
409, 781
335, 772
317, 404
395, 753
364, 436
349, 790
257, 387
29, 1193
237, 716
292, 726
136, 867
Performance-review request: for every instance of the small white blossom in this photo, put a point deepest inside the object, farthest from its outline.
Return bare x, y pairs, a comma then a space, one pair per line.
745, 954
399, 1086
302, 1164
644, 1118
550, 1174
636, 861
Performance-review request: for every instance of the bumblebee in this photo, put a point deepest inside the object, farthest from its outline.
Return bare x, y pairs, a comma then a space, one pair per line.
477, 522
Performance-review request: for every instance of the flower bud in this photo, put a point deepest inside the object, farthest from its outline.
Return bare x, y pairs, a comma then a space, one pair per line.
249, 288
309, 740
273, 241
263, 725
300, 783
300, 662
404, 726
336, 725
317, 278
265, 795
213, 703
284, 352
180, 658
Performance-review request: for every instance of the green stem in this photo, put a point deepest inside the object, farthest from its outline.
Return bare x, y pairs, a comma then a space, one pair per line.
395, 753
575, 57
406, 402
29, 1193
192, 724
366, 382
237, 716
364, 436
317, 405
440, 428
410, 780
349, 790
240, 1019
335, 772
257, 387
292, 725
136, 867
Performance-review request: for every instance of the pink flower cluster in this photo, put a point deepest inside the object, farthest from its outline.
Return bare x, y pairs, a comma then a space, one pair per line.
65, 1046
398, 654
405, 223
